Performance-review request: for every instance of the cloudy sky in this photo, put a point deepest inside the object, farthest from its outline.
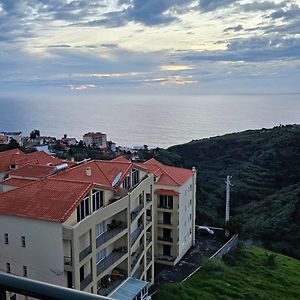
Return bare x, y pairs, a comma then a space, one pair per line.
197, 46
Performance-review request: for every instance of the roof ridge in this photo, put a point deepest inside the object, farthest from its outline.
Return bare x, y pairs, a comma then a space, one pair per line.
102, 171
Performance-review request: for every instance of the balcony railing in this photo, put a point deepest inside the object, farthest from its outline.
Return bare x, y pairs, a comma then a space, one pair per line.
68, 260
86, 281
148, 198
138, 273
165, 239
110, 259
149, 257
136, 234
113, 284
104, 237
85, 252
135, 212
164, 206
148, 241
135, 256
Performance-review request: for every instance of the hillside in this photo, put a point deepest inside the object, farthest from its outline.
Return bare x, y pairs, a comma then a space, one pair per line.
265, 169
251, 273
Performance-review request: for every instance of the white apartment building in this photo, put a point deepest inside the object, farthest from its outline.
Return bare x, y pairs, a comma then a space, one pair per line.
88, 227
17, 136
174, 211
97, 139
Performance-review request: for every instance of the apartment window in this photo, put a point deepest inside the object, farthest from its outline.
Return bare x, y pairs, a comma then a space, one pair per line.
23, 241
100, 256
8, 267
83, 209
166, 201
25, 271
6, 238
191, 202
100, 228
97, 198
126, 183
135, 177
190, 217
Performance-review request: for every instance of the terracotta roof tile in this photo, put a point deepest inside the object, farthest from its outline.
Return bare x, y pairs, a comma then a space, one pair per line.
48, 199
17, 182
32, 171
166, 192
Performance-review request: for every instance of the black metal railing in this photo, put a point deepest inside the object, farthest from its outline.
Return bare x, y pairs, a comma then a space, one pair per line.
136, 255
139, 271
109, 260
85, 252
164, 222
113, 284
135, 212
86, 281
148, 197
135, 234
107, 235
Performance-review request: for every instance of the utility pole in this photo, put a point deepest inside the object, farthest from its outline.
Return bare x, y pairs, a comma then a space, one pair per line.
227, 208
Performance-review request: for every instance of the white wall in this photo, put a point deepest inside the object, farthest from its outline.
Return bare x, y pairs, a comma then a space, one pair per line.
43, 254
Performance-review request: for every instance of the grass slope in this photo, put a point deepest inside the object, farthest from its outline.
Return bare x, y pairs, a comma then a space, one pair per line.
243, 275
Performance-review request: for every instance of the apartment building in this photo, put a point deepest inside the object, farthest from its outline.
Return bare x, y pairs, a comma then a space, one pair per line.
87, 227
17, 136
174, 211
97, 139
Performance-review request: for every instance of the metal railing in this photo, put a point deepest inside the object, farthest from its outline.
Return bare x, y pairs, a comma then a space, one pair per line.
135, 234
135, 212
136, 255
107, 235
85, 252
41, 290
109, 260
148, 197
86, 281
164, 222
139, 271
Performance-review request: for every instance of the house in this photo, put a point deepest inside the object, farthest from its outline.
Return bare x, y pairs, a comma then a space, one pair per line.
87, 227
69, 141
95, 139
3, 139
17, 136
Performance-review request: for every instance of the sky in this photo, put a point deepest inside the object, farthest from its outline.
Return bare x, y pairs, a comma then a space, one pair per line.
149, 46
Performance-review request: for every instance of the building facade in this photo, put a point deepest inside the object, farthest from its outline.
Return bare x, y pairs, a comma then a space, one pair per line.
95, 139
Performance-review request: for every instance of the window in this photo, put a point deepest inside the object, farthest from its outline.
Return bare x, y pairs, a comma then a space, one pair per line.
126, 183
8, 267
97, 198
23, 242
83, 209
6, 238
25, 271
100, 256
100, 228
166, 201
135, 177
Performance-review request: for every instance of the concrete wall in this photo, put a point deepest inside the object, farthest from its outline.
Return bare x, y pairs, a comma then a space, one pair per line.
43, 253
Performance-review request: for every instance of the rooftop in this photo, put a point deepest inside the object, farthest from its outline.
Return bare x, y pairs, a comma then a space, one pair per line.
32, 171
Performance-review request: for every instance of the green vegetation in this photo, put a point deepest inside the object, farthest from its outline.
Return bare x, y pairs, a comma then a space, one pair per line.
265, 169
250, 273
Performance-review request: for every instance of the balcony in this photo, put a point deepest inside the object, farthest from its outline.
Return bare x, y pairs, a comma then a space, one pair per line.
86, 281
68, 260
165, 239
136, 255
164, 206
135, 234
135, 212
110, 233
109, 260
85, 252
166, 257
149, 257
148, 198
164, 222
114, 283
138, 273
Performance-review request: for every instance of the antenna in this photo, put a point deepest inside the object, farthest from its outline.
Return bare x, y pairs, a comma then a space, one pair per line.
227, 208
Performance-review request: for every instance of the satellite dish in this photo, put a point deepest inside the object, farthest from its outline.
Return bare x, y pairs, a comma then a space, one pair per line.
117, 179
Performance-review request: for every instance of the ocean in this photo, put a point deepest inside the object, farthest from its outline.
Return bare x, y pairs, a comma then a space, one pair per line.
157, 121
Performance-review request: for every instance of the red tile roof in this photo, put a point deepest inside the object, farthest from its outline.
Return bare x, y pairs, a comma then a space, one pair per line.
168, 175
166, 192
103, 172
7, 158
94, 134
17, 182
32, 171
48, 199
121, 159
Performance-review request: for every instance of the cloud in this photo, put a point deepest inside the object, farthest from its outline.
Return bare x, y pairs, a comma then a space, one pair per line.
210, 5
288, 13
81, 87
234, 28
174, 67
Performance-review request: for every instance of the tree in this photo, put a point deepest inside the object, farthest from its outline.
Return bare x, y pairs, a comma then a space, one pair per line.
34, 134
